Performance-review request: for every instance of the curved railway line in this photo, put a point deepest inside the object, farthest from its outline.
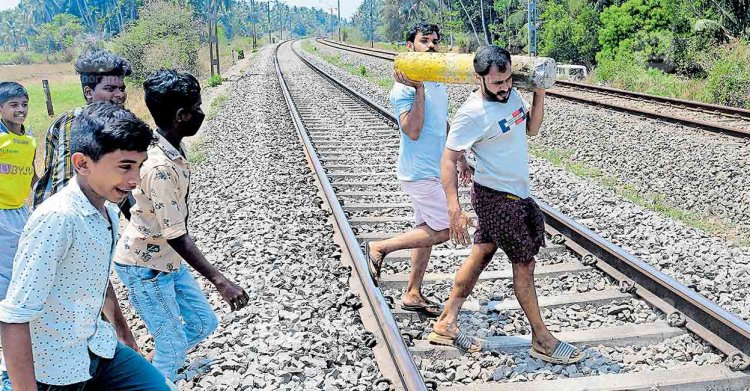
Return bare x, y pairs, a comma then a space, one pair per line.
351, 143
724, 119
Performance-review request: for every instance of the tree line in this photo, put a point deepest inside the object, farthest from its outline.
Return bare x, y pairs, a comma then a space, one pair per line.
649, 45
569, 30
47, 26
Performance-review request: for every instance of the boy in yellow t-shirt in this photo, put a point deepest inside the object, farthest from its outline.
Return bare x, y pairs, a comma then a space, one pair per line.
17, 174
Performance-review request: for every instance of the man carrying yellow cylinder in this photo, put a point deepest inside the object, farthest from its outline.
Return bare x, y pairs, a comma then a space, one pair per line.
493, 123
422, 112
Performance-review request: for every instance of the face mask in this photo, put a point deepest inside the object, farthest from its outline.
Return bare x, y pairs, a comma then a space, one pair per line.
196, 120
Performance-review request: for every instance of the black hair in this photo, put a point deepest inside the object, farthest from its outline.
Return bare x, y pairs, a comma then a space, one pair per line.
166, 91
98, 136
107, 111
10, 90
491, 56
424, 28
93, 65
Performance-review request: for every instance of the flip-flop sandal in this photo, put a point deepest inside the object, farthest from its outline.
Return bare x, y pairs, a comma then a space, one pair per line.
430, 309
375, 265
462, 341
564, 354
196, 368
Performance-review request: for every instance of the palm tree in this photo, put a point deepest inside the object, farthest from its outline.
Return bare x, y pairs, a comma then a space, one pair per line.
13, 26
471, 21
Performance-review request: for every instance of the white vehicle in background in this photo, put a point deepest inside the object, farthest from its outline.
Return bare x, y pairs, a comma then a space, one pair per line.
571, 72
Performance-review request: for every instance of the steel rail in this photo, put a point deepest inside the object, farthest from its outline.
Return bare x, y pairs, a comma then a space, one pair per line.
683, 103
680, 103
409, 375
723, 330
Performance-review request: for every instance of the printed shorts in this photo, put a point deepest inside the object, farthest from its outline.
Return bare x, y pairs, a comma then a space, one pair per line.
515, 225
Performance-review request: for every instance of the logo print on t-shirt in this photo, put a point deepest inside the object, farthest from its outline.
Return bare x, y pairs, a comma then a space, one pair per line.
513, 120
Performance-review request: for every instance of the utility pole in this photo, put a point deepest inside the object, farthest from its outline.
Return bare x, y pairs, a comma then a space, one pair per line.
281, 23
268, 8
339, 11
255, 17
532, 21
331, 19
372, 24
213, 44
216, 44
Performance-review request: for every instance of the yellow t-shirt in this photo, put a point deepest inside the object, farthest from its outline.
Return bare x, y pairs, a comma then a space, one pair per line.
16, 168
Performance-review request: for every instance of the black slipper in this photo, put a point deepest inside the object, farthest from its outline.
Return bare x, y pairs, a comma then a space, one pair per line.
430, 309
374, 265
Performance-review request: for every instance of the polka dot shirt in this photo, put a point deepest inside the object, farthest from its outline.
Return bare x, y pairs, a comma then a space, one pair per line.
60, 277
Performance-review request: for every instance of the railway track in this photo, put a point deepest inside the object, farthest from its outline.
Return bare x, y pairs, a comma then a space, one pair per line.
724, 119
593, 293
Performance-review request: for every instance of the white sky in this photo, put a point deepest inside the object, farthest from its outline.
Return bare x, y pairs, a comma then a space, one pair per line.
5, 4
347, 6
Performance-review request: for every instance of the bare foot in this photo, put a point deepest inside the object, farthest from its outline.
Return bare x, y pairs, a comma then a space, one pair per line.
445, 329
544, 343
414, 299
376, 252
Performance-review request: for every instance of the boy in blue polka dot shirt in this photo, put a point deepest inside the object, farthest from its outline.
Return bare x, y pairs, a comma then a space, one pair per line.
51, 324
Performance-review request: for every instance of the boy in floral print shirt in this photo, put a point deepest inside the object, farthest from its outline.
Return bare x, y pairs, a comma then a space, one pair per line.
150, 252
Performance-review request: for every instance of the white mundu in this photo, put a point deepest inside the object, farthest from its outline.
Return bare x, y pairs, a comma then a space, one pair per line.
496, 133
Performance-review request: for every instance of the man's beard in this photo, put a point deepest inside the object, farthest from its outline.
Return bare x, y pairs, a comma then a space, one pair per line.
492, 97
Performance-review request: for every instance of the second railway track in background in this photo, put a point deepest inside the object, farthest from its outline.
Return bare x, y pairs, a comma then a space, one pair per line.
611, 299
724, 119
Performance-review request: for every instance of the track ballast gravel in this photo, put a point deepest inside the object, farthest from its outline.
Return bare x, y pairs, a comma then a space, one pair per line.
253, 214
683, 163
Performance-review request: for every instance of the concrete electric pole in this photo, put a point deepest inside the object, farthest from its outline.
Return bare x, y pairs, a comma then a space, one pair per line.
532, 22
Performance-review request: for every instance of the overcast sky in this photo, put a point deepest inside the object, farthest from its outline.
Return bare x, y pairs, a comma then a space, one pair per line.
347, 6
5, 4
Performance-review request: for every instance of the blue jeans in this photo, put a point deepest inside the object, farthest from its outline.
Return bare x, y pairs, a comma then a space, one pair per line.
174, 309
127, 370
6, 386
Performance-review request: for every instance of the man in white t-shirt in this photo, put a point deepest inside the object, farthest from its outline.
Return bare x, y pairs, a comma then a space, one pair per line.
493, 123
422, 112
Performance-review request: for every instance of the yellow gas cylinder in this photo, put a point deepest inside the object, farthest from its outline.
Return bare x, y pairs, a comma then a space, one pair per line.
454, 68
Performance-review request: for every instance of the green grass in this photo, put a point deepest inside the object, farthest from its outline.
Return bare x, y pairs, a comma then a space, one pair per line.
214, 81
197, 154
656, 202
66, 94
385, 82
355, 69
33, 58
216, 105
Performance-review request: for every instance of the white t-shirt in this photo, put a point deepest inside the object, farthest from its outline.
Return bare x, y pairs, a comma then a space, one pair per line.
496, 133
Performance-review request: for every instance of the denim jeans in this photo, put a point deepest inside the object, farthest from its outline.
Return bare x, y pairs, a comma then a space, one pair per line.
127, 370
175, 311
6, 386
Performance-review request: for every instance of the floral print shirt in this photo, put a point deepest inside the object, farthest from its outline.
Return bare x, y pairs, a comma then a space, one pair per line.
160, 212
